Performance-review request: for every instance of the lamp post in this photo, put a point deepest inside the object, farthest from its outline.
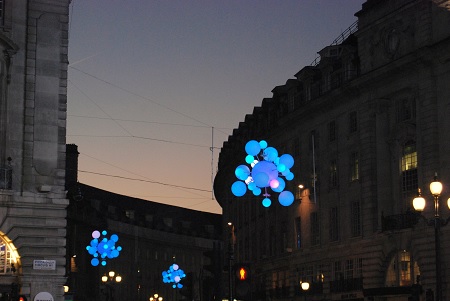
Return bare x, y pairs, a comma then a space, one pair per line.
108, 281
305, 287
156, 297
230, 261
436, 222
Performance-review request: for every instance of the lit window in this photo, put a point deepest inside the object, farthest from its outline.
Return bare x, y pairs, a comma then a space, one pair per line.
73, 264
402, 270
409, 158
7, 259
410, 181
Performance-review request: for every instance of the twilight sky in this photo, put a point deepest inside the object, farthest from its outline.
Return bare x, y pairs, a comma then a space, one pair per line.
154, 85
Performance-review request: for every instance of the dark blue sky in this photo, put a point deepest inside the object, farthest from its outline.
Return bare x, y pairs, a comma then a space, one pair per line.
149, 80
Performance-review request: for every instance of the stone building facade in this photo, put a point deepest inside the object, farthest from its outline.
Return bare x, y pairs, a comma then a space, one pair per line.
367, 125
33, 81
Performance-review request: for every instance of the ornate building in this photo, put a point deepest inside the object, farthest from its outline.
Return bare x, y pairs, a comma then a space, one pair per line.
368, 125
33, 81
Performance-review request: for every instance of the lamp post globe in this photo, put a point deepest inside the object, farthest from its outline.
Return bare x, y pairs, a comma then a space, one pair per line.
419, 203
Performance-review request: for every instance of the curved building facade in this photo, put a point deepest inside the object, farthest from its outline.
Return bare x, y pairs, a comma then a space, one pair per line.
367, 126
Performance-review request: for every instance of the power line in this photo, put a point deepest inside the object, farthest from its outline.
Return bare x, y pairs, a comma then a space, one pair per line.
140, 96
144, 121
141, 180
139, 137
104, 112
149, 180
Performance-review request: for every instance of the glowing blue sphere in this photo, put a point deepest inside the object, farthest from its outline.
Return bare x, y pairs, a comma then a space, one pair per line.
286, 198
242, 172
249, 159
95, 262
238, 188
251, 185
287, 160
263, 144
252, 147
261, 179
266, 202
281, 167
256, 191
289, 176
270, 154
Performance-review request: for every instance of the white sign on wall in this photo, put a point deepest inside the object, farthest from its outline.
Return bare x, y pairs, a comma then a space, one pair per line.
43, 296
44, 264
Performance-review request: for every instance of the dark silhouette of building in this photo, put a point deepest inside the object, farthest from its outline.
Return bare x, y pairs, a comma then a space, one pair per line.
153, 237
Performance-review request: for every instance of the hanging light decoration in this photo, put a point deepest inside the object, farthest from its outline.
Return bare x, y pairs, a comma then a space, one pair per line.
267, 170
102, 248
173, 276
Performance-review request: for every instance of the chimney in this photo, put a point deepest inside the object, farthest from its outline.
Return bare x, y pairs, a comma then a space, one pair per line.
71, 165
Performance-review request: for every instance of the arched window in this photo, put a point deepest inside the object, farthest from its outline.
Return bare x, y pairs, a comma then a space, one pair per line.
8, 256
402, 270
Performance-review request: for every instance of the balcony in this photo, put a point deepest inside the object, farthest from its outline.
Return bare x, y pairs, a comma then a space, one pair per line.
399, 221
346, 285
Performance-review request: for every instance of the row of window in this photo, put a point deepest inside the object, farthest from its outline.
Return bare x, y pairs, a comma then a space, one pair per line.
401, 271
334, 225
336, 271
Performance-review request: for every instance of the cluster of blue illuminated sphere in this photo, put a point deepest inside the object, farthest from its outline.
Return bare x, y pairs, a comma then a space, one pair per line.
267, 171
103, 248
174, 275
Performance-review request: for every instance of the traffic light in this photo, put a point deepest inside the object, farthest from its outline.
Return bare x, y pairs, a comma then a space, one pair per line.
22, 298
242, 273
242, 282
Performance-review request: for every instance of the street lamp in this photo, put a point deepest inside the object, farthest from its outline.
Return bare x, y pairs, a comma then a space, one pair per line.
230, 260
436, 222
305, 287
108, 281
156, 297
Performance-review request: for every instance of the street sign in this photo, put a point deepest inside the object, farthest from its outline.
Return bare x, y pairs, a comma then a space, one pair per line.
44, 264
